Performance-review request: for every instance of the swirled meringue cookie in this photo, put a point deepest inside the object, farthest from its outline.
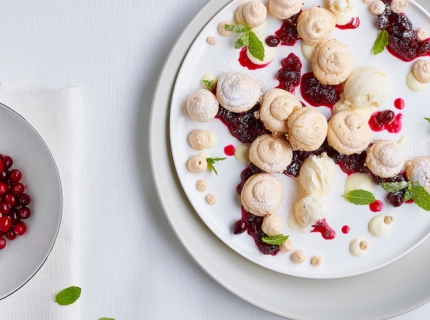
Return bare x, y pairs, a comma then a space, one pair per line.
201, 139
418, 170
262, 194
421, 71
385, 158
307, 129
348, 132
270, 154
237, 92
272, 224
252, 13
202, 105
332, 62
283, 9
315, 24
275, 108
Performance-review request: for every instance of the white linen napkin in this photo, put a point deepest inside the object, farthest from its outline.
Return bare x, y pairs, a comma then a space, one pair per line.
58, 116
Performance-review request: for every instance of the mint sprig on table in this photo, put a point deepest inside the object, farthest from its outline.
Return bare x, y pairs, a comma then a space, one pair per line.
381, 42
68, 296
248, 39
277, 240
360, 197
211, 162
412, 191
208, 84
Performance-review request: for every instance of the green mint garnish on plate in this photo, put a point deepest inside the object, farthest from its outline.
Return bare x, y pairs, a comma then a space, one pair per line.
412, 191
211, 162
360, 197
68, 296
381, 42
428, 119
208, 84
394, 186
106, 319
278, 239
248, 39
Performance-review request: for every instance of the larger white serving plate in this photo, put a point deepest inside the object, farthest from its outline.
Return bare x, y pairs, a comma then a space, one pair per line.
380, 294
24, 256
411, 226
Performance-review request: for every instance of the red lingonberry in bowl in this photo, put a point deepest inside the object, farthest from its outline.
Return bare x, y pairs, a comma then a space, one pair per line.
5, 223
4, 208
24, 199
2, 243
20, 228
15, 175
11, 199
18, 188
3, 188
24, 213
4, 175
14, 216
11, 235
7, 162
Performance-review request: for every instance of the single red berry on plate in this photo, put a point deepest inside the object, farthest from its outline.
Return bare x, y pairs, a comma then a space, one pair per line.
2, 243
11, 235
5, 223
20, 228
18, 188
15, 175
24, 199
7, 162
239, 227
24, 213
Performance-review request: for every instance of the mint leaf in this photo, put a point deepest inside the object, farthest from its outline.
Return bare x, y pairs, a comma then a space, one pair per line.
208, 84
381, 42
68, 296
211, 162
428, 119
106, 319
238, 28
278, 239
360, 197
242, 41
408, 195
394, 186
256, 48
420, 196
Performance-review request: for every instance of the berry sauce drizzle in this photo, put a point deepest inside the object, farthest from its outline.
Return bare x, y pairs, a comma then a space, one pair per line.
317, 94
399, 104
386, 120
326, 231
376, 206
288, 32
402, 41
243, 126
353, 24
345, 229
289, 75
247, 63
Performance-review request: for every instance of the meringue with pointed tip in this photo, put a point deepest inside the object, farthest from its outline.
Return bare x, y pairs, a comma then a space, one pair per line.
202, 105
385, 158
252, 13
418, 170
315, 25
284, 9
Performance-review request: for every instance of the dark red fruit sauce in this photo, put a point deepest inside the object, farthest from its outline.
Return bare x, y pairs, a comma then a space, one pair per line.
317, 94
288, 31
353, 24
326, 231
247, 63
289, 75
386, 120
402, 41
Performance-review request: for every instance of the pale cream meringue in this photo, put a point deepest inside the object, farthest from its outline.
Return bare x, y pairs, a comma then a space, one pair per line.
270, 154
197, 163
276, 106
398, 6
237, 92
377, 7
418, 170
332, 62
262, 194
348, 132
385, 158
307, 129
221, 28
422, 34
202, 105
253, 14
284, 9
421, 71
272, 224
315, 24
199, 139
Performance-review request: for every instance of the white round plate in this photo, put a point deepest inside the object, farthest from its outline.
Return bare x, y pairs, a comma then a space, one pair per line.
411, 224
23, 257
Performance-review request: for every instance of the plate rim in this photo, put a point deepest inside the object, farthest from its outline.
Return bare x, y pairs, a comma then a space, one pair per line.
163, 172
28, 124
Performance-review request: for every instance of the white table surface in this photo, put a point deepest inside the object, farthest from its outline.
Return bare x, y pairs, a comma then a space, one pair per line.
133, 265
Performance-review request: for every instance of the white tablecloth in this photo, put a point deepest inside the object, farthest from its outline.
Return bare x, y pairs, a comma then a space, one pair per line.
133, 265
